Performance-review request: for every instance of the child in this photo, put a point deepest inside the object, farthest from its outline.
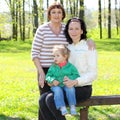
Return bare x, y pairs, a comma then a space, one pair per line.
55, 78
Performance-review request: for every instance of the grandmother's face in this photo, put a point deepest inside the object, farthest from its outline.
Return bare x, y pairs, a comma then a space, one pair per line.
56, 15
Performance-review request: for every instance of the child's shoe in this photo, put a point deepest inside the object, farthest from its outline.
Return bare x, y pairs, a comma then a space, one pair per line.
73, 110
63, 110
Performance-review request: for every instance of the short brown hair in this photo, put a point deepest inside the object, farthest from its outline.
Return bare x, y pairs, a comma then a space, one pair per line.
53, 6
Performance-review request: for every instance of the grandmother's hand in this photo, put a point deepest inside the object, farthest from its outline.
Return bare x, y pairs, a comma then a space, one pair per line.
42, 79
69, 83
91, 44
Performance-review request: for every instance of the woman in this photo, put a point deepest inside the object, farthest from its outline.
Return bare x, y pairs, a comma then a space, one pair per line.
85, 61
48, 35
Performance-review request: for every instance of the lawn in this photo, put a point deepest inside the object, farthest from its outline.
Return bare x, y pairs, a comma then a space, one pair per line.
18, 85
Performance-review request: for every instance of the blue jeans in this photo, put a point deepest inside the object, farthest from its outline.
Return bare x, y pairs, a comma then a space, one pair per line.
59, 96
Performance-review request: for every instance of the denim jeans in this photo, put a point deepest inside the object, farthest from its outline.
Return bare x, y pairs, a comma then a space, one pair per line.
59, 96
47, 109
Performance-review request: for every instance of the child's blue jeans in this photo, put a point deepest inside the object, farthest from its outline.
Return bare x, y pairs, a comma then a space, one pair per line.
59, 95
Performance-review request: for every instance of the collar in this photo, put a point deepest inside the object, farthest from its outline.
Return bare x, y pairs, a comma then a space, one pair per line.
62, 64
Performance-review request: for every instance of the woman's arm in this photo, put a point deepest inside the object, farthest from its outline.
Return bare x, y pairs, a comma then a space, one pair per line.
35, 53
40, 72
70, 83
90, 74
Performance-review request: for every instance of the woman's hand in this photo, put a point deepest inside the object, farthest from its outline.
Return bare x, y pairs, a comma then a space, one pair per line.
91, 45
41, 73
42, 79
69, 83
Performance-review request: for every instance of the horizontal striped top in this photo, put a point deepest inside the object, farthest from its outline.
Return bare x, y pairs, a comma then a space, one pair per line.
43, 43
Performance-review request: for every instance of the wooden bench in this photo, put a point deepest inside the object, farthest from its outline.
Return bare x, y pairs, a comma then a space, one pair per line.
96, 101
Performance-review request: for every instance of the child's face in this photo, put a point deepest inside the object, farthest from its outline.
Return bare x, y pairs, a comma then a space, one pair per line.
58, 57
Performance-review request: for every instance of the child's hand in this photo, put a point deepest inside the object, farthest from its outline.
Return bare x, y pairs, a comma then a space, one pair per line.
66, 78
50, 84
55, 83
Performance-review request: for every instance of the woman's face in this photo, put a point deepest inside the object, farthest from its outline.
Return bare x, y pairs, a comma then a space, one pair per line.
75, 31
56, 15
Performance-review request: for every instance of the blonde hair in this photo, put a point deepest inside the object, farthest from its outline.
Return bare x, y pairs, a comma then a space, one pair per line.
62, 49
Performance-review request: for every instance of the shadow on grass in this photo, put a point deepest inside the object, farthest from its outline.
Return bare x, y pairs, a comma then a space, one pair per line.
103, 113
20, 46
15, 46
4, 117
108, 45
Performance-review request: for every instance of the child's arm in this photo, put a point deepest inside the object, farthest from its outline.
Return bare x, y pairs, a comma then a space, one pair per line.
50, 75
74, 73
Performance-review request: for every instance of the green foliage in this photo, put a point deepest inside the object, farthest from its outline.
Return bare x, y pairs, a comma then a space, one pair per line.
18, 83
5, 27
95, 33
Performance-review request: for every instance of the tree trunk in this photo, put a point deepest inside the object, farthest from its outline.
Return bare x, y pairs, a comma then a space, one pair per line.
35, 16
81, 13
23, 16
12, 9
105, 25
20, 20
109, 18
16, 21
116, 16
100, 18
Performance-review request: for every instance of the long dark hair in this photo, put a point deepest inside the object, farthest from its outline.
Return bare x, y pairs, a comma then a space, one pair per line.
82, 25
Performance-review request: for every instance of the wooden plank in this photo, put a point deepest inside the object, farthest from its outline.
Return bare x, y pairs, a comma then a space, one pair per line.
101, 100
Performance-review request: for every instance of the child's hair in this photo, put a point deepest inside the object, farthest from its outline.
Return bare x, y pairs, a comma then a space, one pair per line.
63, 50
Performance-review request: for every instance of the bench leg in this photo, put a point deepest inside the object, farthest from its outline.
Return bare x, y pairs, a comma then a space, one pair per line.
84, 113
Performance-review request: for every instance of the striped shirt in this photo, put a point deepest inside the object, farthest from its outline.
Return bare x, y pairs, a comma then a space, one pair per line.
43, 43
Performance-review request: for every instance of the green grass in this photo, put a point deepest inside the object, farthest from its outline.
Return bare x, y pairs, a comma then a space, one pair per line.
18, 85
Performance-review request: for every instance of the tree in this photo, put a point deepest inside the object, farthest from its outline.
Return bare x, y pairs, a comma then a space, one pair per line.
100, 18
23, 34
41, 12
116, 16
109, 18
35, 16
12, 11
105, 24
81, 12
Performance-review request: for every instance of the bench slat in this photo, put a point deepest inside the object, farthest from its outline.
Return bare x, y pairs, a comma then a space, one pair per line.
101, 100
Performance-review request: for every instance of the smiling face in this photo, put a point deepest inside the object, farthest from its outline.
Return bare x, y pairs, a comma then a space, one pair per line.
75, 31
56, 15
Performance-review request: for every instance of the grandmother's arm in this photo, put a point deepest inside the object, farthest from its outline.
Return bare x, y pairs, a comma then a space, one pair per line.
91, 44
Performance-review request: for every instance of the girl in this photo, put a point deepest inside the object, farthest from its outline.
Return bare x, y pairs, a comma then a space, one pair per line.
60, 69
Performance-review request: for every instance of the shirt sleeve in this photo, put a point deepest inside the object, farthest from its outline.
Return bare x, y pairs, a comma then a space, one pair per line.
50, 75
91, 74
37, 43
74, 73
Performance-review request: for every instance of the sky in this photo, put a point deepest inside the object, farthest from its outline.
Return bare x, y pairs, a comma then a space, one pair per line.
90, 4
